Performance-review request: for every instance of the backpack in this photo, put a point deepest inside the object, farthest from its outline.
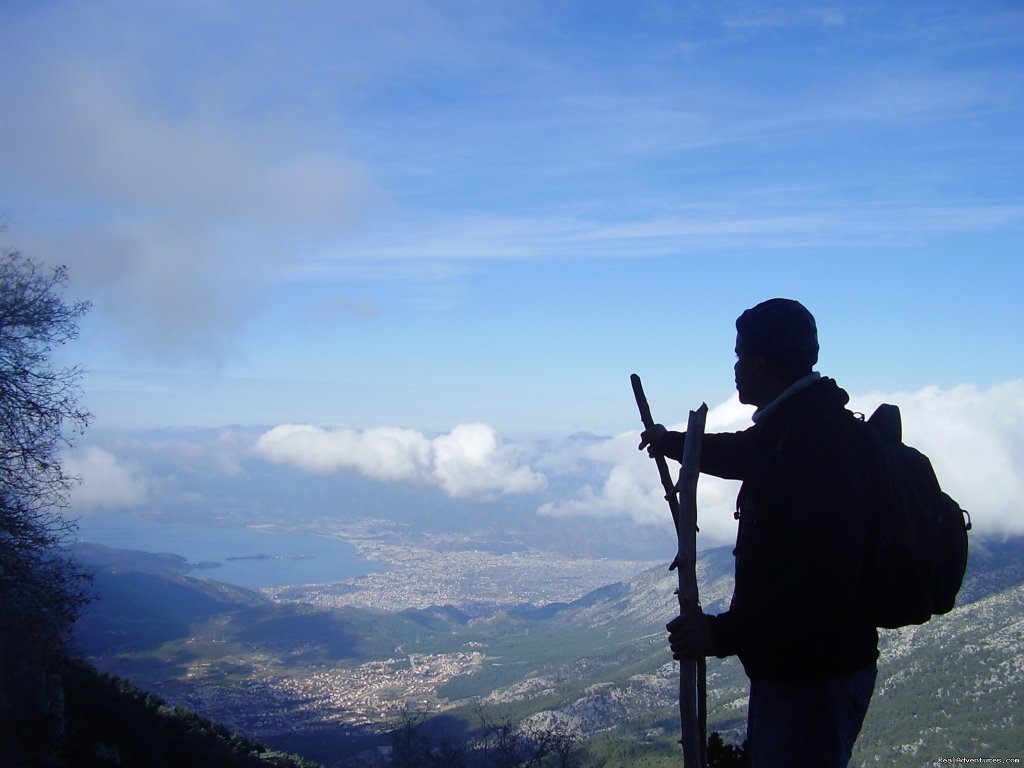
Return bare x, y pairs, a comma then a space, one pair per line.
917, 536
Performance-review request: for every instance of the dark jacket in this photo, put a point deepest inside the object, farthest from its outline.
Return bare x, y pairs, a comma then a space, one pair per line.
798, 608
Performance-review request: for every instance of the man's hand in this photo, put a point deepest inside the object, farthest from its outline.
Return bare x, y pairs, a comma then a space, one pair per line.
651, 439
690, 637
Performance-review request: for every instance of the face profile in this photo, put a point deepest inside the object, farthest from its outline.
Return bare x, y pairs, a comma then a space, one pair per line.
747, 371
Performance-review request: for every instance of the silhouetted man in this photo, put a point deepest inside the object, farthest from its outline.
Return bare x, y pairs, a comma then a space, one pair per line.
798, 618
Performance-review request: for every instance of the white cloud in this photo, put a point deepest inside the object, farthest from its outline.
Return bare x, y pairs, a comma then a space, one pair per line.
175, 212
632, 489
974, 437
468, 461
975, 440
106, 483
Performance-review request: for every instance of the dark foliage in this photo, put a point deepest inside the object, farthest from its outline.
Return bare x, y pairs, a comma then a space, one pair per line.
41, 588
722, 755
504, 743
496, 743
109, 722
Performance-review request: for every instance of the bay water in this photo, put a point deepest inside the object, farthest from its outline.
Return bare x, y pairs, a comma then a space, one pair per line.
246, 557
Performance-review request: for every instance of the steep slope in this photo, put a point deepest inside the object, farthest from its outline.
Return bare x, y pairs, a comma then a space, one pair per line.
109, 722
951, 687
948, 687
649, 600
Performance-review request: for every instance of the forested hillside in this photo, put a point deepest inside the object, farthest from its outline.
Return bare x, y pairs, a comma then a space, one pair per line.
110, 722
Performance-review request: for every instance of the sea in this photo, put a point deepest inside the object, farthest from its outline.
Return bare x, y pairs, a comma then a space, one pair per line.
245, 557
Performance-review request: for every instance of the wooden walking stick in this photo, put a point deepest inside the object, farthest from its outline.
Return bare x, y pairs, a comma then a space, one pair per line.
682, 501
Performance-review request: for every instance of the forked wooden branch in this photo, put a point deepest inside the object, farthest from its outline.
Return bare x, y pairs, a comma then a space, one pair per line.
692, 672
682, 501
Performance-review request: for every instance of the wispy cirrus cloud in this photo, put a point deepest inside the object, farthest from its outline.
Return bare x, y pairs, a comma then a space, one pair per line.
183, 158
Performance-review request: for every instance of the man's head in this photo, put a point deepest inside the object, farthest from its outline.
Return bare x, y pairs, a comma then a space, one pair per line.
776, 344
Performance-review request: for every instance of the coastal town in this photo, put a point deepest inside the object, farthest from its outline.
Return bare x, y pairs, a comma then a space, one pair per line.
472, 580
371, 695
259, 692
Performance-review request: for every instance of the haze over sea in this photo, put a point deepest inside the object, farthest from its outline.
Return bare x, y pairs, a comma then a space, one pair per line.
246, 557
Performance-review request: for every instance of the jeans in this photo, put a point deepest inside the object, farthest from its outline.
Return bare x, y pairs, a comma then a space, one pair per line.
809, 723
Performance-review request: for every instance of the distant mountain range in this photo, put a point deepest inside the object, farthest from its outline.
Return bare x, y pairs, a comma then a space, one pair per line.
323, 683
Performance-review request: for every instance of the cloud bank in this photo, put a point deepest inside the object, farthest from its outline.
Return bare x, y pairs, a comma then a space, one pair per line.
975, 440
106, 482
629, 485
974, 437
469, 461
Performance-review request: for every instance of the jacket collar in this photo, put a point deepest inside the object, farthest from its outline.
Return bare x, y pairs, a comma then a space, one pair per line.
797, 386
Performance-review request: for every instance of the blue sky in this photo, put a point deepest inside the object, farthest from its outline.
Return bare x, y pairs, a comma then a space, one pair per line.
420, 215
512, 206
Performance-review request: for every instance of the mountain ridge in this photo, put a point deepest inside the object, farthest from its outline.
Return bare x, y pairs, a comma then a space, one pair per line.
598, 664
